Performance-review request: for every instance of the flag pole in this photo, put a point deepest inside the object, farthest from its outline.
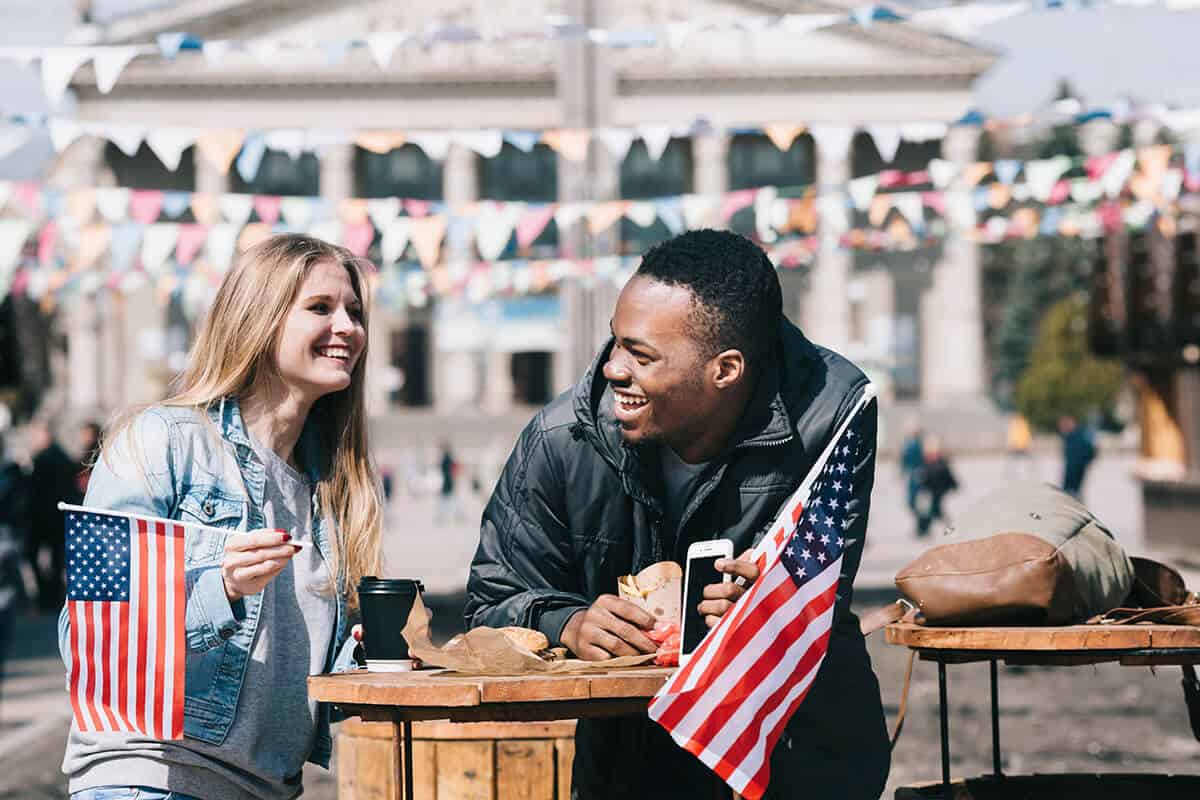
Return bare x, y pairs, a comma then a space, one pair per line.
159, 520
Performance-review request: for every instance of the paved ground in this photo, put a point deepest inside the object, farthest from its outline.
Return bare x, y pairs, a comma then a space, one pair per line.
1105, 718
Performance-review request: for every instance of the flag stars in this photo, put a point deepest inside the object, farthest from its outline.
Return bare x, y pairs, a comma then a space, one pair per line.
806, 555
821, 557
808, 537
824, 539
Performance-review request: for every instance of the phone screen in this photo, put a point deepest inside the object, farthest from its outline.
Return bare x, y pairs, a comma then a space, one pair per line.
701, 573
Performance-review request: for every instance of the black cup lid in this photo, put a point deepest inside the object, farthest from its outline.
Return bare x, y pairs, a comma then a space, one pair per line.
370, 583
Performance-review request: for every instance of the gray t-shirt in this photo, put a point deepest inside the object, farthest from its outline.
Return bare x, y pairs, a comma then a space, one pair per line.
272, 734
680, 480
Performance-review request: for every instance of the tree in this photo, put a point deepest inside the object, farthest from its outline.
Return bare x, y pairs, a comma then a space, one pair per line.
1063, 377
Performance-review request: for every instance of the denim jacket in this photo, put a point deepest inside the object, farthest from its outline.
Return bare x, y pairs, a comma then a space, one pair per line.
204, 471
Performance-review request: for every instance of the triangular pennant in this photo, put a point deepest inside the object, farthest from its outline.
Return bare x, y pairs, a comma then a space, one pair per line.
923, 131
206, 208
1097, 166
642, 213
999, 195
1118, 172
188, 241
353, 210
734, 202
426, 234
1152, 161
1085, 191
881, 204
1006, 170
670, 211
236, 208
832, 140
383, 46
169, 144
934, 200
570, 143
175, 203
109, 63
267, 206
383, 210
395, 240
158, 240
63, 133
887, 141
254, 147
697, 209
219, 146
862, 190
417, 208
656, 139
434, 145
602, 216
59, 65
494, 228
145, 205
335, 51
782, 134
909, 204
113, 203
766, 216
1059, 192
382, 142
524, 141
127, 138
357, 237
1043, 175
975, 172
567, 214
170, 43
80, 205
1172, 183
215, 50
486, 143
292, 141
532, 223
330, 230
124, 245
617, 140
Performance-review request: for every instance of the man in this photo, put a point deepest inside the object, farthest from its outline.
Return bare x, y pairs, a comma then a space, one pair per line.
1078, 452
698, 419
52, 480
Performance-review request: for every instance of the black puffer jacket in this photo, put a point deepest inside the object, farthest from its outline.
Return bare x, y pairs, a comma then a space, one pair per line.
574, 510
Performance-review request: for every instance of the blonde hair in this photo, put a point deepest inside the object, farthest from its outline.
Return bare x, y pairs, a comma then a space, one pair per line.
253, 301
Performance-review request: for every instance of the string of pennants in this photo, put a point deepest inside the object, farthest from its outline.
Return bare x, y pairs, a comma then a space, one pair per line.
54, 241
58, 64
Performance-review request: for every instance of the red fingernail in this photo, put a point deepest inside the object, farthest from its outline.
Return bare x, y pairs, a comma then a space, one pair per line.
358, 635
287, 537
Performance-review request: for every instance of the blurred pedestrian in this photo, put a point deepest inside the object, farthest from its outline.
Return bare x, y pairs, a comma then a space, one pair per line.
911, 460
52, 480
1078, 452
14, 519
1017, 440
936, 480
447, 498
265, 445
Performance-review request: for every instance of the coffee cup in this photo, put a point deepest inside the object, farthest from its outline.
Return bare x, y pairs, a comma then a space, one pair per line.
386, 604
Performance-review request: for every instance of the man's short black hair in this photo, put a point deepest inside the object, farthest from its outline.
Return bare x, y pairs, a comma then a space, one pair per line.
737, 302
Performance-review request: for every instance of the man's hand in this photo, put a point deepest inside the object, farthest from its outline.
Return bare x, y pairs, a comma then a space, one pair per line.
253, 559
720, 597
611, 627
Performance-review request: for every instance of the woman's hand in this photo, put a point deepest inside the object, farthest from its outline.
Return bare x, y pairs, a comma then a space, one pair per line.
253, 559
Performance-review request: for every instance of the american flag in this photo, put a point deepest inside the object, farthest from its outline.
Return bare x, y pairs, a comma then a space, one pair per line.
126, 600
728, 706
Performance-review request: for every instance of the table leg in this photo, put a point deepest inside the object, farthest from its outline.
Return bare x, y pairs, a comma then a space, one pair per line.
944, 714
995, 720
408, 760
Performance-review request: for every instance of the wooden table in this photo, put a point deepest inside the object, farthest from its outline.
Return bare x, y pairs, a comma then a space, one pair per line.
1072, 645
403, 697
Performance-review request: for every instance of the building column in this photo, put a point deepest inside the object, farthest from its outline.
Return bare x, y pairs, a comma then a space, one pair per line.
209, 179
457, 375
953, 356
497, 382
710, 163
337, 171
825, 314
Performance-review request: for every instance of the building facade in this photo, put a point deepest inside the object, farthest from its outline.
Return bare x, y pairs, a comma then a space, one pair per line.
915, 321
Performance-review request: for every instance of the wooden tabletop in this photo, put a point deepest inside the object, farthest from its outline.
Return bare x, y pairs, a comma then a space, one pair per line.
436, 694
1127, 644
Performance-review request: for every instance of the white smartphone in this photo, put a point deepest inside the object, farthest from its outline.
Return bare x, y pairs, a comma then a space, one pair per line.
699, 573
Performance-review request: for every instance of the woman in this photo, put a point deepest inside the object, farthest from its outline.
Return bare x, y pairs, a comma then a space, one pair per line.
266, 437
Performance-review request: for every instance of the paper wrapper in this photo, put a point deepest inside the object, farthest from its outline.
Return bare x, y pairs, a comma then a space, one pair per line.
657, 590
487, 651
